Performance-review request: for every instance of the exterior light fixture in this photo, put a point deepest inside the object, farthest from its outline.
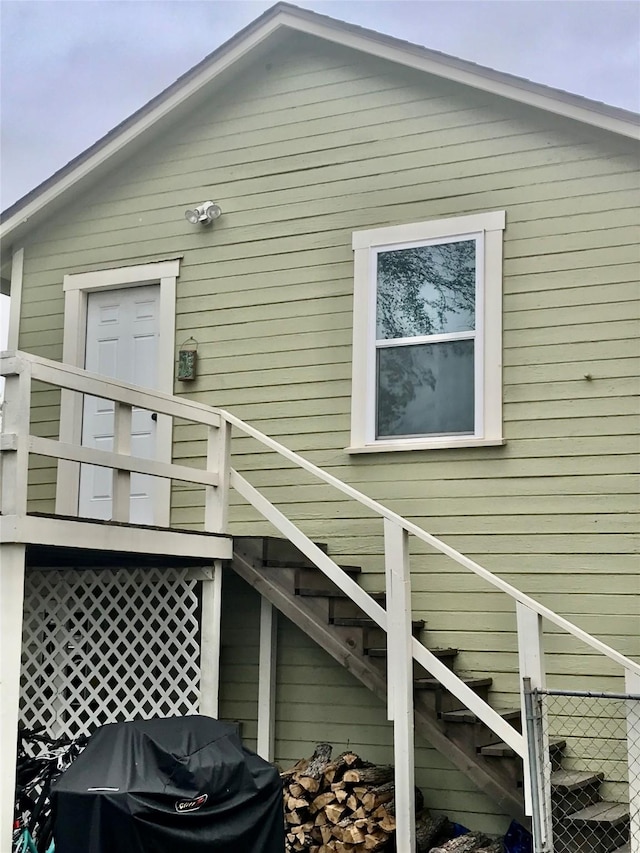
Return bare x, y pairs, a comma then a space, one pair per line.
205, 213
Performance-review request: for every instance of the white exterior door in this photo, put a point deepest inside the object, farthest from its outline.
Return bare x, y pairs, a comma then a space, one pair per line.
122, 343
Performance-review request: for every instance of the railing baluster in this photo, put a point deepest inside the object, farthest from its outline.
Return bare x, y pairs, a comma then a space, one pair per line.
121, 479
68, 479
400, 679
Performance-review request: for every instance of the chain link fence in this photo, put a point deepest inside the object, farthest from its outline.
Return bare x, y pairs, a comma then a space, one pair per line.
586, 767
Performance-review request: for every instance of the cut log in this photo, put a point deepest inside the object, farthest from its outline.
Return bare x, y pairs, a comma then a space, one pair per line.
376, 841
293, 817
309, 783
372, 799
319, 760
298, 767
321, 801
334, 812
353, 834
468, 843
352, 802
428, 829
376, 775
296, 803
295, 789
388, 823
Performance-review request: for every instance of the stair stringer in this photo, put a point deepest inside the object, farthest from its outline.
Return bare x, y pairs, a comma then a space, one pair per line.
312, 623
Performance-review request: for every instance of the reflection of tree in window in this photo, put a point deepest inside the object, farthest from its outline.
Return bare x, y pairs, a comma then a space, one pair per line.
425, 291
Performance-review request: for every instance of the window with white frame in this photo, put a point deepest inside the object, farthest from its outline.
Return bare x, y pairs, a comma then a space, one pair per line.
428, 334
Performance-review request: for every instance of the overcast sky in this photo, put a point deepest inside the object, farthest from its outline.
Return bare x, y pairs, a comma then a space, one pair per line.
70, 70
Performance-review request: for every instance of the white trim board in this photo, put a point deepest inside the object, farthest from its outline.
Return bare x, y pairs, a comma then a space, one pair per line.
76, 289
284, 17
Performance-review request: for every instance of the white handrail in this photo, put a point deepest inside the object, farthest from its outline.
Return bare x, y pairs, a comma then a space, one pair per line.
436, 543
76, 379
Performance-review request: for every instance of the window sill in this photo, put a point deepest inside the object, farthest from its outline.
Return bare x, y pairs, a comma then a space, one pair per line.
426, 444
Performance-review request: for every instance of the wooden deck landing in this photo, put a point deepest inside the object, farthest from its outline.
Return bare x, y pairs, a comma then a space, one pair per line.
57, 540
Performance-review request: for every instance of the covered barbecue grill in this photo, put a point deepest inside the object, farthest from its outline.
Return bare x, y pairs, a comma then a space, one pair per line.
160, 786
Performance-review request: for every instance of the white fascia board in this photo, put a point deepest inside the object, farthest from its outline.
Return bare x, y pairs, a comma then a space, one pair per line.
447, 68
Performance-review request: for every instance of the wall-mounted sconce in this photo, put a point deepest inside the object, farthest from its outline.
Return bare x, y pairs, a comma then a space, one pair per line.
187, 360
205, 213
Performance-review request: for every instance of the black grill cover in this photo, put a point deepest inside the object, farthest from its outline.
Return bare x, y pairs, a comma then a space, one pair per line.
177, 785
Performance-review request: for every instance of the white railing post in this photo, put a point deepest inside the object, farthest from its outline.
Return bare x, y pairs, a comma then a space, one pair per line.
120, 507
632, 686
536, 773
400, 680
218, 460
215, 521
14, 460
267, 681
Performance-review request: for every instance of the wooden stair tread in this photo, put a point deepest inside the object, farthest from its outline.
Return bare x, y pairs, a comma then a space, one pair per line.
275, 564
439, 653
434, 684
600, 813
503, 750
366, 622
334, 593
290, 556
466, 716
571, 780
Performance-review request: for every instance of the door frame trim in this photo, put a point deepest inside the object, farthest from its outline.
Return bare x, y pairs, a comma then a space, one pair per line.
77, 287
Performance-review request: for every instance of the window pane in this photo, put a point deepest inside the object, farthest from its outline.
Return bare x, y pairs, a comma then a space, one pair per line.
428, 290
425, 389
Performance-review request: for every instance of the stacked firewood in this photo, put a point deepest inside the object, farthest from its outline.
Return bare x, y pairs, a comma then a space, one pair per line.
340, 806
347, 805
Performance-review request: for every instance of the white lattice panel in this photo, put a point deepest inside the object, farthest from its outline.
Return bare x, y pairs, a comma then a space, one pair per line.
105, 645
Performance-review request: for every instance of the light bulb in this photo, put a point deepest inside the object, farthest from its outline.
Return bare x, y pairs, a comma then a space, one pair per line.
212, 211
